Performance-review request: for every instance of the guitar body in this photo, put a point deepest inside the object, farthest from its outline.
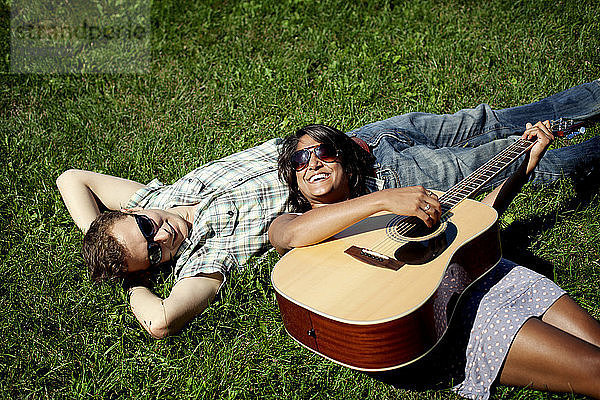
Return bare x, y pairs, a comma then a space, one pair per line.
374, 314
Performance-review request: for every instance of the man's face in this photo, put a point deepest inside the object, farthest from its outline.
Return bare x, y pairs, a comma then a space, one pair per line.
170, 231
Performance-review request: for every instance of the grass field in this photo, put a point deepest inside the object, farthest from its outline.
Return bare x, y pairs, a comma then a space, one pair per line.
226, 75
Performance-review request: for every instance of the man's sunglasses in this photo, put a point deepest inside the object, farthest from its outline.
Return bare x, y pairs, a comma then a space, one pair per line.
323, 152
149, 229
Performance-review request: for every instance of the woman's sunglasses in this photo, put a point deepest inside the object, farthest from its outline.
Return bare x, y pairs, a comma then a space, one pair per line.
323, 152
148, 229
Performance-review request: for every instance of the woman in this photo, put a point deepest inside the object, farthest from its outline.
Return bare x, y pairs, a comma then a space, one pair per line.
550, 344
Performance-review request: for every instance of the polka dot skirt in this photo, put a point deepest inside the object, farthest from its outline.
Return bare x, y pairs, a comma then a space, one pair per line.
497, 314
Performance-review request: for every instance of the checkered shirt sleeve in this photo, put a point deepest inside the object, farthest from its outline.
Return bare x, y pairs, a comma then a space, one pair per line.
237, 197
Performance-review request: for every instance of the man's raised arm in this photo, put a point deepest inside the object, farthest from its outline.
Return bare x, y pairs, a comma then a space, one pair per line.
82, 190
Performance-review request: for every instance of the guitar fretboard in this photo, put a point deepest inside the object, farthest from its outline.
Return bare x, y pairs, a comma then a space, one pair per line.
483, 175
480, 177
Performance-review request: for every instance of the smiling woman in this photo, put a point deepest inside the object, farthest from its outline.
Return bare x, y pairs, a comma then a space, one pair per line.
315, 153
540, 337
345, 183
320, 178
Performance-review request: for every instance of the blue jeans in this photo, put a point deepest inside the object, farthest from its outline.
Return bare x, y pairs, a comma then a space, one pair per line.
437, 151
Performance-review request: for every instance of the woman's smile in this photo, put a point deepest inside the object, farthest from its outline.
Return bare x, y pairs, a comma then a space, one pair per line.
318, 177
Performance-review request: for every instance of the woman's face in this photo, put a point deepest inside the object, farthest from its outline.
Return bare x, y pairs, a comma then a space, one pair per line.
321, 182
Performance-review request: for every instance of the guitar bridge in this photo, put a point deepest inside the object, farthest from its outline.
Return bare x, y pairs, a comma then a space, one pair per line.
374, 258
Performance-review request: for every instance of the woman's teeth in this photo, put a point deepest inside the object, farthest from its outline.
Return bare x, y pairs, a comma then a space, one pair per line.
318, 177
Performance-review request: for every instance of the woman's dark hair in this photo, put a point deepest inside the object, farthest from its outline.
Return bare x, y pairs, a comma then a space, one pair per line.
103, 254
356, 162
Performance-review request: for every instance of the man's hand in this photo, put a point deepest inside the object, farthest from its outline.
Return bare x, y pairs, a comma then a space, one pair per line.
188, 298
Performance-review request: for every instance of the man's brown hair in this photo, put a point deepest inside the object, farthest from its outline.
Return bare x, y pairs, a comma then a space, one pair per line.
102, 253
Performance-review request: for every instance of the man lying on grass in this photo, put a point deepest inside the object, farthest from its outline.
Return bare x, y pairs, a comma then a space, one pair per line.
215, 218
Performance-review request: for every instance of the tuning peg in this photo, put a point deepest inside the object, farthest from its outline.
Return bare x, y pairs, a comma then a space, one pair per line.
572, 135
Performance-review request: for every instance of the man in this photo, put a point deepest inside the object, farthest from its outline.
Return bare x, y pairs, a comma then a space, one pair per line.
210, 221
216, 217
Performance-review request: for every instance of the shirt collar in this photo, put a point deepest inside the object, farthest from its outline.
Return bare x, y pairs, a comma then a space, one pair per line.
183, 247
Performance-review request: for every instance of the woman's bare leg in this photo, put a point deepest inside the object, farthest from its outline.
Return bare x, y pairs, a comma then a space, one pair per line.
568, 316
544, 356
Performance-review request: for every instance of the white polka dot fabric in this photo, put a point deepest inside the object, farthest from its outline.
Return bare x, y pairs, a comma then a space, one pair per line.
518, 296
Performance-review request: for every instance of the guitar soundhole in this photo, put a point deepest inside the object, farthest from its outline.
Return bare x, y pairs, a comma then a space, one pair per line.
401, 228
421, 230
421, 252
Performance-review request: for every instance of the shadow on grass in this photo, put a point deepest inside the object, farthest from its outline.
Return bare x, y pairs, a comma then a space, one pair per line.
516, 239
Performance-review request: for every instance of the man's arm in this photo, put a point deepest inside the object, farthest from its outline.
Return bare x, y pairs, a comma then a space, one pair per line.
188, 298
81, 191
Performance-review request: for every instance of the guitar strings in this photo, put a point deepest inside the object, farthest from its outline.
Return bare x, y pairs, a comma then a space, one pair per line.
471, 184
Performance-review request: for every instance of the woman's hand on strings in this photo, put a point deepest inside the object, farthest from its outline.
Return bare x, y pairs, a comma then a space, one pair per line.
544, 135
414, 201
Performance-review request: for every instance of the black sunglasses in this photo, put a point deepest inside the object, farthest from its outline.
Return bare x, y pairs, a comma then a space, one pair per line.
323, 152
149, 229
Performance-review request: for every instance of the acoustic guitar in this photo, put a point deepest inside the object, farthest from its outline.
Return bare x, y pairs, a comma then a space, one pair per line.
380, 294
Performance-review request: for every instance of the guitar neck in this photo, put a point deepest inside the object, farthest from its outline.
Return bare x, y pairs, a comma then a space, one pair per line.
484, 174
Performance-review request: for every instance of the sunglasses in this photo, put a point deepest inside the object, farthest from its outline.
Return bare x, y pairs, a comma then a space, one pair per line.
148, 229
323, 152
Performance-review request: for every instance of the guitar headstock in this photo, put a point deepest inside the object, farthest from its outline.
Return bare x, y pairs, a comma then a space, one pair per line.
567, 128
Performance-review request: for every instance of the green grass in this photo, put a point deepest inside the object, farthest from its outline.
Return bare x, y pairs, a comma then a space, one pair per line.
224, 76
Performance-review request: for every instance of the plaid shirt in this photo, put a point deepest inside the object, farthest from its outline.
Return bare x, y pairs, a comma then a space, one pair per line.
237, 197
